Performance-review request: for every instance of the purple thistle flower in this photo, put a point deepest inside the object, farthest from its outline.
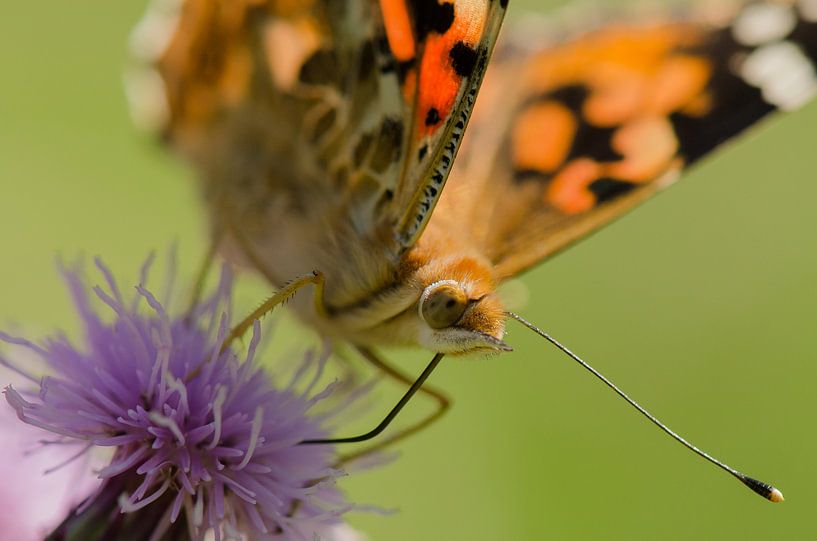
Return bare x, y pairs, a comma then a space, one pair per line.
30, 488
203, 441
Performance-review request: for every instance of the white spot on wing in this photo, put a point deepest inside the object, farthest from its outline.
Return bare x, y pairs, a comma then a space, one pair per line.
152, 34
763, 23
144, 87
785, 76
145, 91
288, 45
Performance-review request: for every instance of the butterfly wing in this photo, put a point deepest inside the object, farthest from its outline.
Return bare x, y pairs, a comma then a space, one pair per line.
596, 124
372, 96
323, 130
443, 67
308, 83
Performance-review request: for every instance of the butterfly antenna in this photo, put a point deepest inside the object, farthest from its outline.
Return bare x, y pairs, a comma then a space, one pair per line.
759, 487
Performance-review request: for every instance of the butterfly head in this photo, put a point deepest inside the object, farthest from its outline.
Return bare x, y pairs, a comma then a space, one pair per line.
460, 316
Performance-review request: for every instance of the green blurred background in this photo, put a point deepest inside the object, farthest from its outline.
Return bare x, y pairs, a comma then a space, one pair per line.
702, 304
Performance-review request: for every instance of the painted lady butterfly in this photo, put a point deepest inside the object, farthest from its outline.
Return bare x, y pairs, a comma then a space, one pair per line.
324, 134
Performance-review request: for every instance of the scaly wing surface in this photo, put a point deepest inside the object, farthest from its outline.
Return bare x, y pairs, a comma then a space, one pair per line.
567, 136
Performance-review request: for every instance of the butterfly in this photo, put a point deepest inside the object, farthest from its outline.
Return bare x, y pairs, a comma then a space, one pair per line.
325, 133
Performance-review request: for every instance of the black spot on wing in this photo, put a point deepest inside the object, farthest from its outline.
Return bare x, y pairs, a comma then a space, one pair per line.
433, 117
571, 96
463, 58
736, 105
531, 175
321, 68
422, 152
607, 189
362, 149
324, 123
388, 145
386, 61
403, 68
366, 60
590, 141
431, 16
595, 143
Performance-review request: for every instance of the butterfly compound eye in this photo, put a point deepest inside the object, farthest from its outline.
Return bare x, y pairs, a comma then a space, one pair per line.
443, 304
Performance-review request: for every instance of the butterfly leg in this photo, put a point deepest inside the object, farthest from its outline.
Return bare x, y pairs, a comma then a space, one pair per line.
280, 296
414, 386
443, 404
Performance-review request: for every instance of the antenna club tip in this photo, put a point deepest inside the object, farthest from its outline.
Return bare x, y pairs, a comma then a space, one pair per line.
763, 489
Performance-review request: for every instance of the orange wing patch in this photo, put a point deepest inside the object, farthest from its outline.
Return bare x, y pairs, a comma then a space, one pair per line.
569, 191
648, 147
453, 41
629, 83
447, 59
596, 124
399, 33
542, 136
664, 85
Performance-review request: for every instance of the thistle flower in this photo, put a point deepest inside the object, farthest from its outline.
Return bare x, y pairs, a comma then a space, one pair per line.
34, 485
204, 444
